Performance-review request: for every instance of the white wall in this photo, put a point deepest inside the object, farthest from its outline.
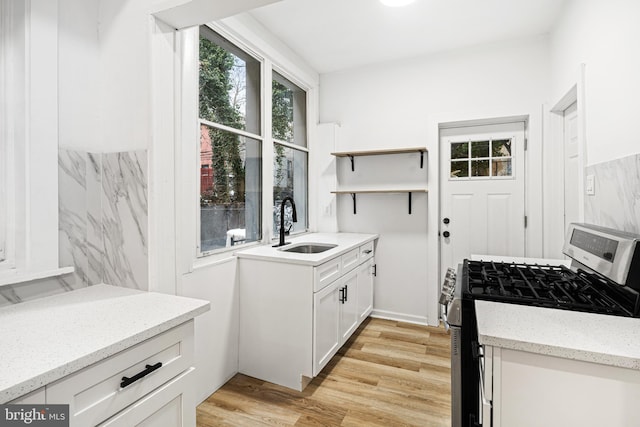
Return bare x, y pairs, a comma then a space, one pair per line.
605, 36
400, 104
79, 74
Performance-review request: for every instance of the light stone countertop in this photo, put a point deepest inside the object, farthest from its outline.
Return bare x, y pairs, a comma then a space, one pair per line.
344, 241
46, 339
589, 337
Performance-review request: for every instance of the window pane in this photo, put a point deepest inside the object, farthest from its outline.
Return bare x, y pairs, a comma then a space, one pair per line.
459, 150
229, 84
230, 189
501, 148
501, 167
480, 149
479, 167
460, 169
289, 180
289, 111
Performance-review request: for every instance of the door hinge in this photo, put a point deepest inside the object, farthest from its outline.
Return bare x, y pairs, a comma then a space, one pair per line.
526, 144
525, 221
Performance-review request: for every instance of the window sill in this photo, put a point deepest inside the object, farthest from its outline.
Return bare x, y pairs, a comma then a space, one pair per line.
12, 277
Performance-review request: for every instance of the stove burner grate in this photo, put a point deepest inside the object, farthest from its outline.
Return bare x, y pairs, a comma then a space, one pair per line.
549, 286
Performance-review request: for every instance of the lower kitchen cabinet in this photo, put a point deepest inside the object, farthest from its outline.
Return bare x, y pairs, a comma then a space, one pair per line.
366, 273
531, 390
295, 317
335, 318
159, 392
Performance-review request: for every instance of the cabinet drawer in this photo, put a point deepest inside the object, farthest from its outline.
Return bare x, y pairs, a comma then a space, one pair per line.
36, 397
170, 405
350, 260
366, 251
326, 273
94, 393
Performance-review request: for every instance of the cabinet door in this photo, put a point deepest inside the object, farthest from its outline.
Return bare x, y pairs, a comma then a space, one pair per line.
348, 296
171, 405
326, 338
365, 289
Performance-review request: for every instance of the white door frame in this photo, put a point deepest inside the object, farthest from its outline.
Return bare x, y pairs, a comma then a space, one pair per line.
533, 119
554, 194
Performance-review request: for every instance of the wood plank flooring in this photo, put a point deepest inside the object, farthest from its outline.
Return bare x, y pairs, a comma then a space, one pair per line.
388, 374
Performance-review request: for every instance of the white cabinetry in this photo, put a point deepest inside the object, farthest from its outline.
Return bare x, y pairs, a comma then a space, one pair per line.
295, 317
159, 393
530, 390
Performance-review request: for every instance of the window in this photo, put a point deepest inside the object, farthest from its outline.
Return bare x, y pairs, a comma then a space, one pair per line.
482, 159
290, 158
230, 158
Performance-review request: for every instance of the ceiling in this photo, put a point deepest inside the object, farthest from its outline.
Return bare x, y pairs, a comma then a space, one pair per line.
333, 35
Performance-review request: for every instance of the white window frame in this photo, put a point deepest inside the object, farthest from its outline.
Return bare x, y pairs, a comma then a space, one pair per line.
240, 132
490, 158
183, 154
29, 119
294, 146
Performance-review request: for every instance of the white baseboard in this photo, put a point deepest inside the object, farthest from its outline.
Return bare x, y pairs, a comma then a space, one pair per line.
400, 317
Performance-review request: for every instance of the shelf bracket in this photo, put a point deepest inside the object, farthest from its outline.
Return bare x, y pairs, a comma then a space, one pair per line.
353, 196
409, 202
352, 162
421, 159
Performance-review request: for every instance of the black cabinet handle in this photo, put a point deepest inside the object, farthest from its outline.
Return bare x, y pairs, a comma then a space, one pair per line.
446, 234
367, 251
149, 368
342, 299
346, 292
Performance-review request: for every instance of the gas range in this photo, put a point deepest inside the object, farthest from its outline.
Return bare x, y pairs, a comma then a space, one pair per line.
548, 286
604, 278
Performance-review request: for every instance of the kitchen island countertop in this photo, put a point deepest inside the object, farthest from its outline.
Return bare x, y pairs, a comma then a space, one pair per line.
589, 337
49, 338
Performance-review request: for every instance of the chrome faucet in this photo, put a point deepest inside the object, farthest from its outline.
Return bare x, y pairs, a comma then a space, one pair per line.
295, 219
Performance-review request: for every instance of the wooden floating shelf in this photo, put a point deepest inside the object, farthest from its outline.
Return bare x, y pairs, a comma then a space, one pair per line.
379, 152
354, 191
399, 190
352, 154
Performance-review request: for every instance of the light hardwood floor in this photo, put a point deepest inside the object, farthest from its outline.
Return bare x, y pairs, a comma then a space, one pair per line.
388, 374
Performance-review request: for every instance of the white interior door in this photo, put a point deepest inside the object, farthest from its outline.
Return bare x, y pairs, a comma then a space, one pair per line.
482, 187
572, 166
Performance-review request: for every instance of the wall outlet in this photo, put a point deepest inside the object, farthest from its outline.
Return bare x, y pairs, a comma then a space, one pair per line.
591, 185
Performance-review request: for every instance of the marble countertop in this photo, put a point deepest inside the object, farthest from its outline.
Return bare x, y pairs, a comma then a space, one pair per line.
344, 241
597, 338
46, 339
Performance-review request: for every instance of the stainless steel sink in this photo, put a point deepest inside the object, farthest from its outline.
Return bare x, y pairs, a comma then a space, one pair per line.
308, 248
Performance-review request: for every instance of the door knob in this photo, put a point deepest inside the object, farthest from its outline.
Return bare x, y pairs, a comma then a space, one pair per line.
446, 220
446, 234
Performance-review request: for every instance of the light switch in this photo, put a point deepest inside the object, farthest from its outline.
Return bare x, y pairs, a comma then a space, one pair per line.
591, 185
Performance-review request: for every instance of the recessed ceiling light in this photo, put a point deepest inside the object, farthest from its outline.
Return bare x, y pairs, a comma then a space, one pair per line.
396, 3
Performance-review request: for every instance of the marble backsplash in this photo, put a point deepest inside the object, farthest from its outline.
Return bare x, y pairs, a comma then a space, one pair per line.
103, 218
616, 202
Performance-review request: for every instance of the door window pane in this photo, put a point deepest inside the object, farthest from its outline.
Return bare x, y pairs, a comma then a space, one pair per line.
479, 149
289, 111
501, 167
501, 148
480, 168
289, 180
459, 150
459, 169
230, 189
